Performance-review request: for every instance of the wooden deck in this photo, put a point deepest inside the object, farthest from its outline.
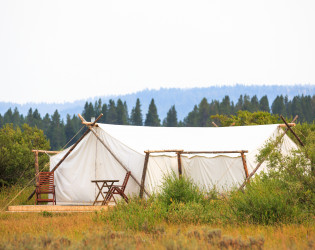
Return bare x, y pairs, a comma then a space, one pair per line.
56, 208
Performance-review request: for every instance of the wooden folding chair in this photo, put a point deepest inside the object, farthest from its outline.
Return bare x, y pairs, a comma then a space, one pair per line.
118, 189
45, 186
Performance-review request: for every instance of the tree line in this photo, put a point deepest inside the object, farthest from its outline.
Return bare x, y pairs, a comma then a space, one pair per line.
59, 132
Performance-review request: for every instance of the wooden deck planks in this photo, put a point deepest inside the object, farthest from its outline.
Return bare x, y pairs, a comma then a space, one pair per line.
56, 208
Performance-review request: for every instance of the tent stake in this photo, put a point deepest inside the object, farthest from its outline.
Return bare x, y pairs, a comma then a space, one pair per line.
144, 173
259, 164
179, 160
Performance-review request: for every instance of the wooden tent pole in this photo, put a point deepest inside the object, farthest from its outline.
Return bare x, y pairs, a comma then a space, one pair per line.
144, 173
74, 145
116, 158
46, 151
259, 164
289, 128
244, 164
215, 152
36, 166
179, 160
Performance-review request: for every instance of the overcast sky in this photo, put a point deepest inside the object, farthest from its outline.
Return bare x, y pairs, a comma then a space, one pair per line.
57, 51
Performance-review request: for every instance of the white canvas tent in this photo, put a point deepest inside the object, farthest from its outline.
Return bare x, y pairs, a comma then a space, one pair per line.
102, 158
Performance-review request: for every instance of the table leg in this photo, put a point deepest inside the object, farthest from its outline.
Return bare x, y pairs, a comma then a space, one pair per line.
99, 192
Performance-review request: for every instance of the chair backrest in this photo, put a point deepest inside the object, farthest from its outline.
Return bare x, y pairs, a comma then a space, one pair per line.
123, 186
46, 181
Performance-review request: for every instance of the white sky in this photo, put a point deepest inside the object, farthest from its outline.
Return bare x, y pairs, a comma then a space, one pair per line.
61, 50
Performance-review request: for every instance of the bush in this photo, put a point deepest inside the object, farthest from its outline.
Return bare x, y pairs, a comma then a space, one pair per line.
180, 201
264, 202
179, 190
285, 194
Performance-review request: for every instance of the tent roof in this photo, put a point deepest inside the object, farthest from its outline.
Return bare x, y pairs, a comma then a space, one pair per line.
141, 138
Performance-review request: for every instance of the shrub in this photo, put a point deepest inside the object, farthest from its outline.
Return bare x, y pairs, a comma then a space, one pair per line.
285, 194
179, 190
264, 202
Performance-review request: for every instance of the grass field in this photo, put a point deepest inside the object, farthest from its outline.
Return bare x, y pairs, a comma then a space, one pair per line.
86, 230
274, 212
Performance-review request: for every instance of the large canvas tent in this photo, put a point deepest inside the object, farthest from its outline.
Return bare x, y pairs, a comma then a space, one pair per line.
111, 149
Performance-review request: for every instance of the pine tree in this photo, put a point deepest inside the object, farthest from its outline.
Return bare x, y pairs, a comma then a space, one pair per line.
88, 111
214, 107
204, 113
1, 121
56, 132
104, 112
247, 104
254, 104
152, 117
7, 118
17, 119
97, 108
126, 112
136, 114
111, 117
278, 106
69, 128
121, 113
264, 104
240, 104
225, 106
297, 108
46, 124
191, 120
29, 119
171, 118
37, 120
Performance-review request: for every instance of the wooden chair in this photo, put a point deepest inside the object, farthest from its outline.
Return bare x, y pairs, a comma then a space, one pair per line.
45, 186
118, 189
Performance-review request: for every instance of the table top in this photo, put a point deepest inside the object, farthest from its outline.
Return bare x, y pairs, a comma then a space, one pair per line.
105, 181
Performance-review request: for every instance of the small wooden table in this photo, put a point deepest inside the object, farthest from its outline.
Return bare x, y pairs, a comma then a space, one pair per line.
103, 184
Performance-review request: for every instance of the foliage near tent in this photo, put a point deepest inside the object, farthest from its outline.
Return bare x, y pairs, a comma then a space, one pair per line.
16, 157
246, 118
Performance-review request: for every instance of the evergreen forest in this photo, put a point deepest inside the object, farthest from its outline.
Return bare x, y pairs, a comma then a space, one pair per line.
206, 113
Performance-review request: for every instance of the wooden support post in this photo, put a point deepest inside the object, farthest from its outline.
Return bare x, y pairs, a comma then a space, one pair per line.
215, 152
36, 166
179, 160
284, 125
262, 161
214, 124
144, 173
164, 151
289, 128
244, 164
46, 151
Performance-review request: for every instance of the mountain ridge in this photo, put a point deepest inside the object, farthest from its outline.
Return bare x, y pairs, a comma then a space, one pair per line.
183, 99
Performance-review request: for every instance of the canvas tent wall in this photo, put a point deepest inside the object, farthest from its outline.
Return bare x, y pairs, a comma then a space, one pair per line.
90, 160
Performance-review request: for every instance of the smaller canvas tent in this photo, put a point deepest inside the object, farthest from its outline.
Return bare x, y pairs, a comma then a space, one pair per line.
102, 157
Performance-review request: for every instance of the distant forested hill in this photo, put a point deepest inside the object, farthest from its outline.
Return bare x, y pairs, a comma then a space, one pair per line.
183, 99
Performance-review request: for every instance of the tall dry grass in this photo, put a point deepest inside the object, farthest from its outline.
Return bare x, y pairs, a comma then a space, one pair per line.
84, 230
